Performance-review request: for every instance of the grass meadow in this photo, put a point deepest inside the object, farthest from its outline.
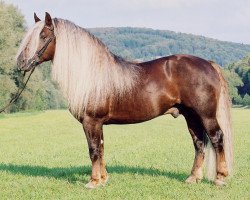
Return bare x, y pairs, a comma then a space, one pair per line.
44, 155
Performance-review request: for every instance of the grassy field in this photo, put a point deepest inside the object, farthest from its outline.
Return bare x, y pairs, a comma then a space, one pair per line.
44, 155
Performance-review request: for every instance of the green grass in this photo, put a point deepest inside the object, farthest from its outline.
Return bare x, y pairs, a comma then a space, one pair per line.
43, 155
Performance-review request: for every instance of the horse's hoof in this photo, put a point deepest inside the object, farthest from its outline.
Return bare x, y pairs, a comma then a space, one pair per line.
93, 184
192, 179
219, 182
104, 180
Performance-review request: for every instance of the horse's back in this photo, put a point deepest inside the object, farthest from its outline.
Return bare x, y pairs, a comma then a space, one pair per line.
181, 62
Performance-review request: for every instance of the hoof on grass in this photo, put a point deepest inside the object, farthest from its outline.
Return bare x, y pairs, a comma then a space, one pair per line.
219, 182
93, 184
192, 179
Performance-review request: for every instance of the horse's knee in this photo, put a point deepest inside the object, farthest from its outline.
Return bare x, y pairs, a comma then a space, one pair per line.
199, 146
214, 133
217, 140
94, 152
93, 132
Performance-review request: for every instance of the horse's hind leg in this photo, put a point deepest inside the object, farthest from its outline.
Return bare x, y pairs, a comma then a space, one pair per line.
197, 132
215, 135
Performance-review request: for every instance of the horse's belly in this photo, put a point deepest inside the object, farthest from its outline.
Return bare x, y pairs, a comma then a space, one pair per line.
136, 111
130, 118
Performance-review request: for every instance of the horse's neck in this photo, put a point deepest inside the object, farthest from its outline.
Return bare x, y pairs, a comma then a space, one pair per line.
87, 71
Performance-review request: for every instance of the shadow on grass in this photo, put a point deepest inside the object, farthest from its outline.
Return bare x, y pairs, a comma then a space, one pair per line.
81, 174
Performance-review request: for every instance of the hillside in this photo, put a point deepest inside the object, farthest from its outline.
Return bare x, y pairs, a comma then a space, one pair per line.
146, 44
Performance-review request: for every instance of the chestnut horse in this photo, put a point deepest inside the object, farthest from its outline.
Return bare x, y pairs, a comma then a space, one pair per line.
102, 88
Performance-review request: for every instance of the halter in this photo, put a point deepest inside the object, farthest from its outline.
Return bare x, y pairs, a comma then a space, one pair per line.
31, 62
39, 53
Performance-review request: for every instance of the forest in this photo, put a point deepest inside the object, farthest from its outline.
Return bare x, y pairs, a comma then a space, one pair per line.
146, 44
130, 43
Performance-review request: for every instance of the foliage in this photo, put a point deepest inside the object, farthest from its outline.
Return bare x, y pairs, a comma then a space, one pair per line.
146, 44
41, 92
239, 80
11, 32
44, 155
234, 81
246, 99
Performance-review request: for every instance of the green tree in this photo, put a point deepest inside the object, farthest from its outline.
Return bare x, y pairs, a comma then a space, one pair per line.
246, 100
11, 33
241, 69
234, 81
41, 92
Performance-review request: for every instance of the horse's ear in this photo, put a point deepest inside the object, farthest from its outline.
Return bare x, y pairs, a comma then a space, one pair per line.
36, 18
48, 20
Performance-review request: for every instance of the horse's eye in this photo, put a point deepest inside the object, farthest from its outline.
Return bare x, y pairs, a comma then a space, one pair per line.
43, 38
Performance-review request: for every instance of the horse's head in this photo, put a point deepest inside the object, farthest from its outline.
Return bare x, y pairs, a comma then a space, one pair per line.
38, 45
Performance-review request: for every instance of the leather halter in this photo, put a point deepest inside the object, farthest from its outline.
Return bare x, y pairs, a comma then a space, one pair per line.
39, 53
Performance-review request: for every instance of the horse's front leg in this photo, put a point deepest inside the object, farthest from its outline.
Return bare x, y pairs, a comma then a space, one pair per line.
94, 135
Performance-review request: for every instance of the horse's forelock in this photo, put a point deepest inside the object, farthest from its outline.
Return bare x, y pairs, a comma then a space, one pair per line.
30, 41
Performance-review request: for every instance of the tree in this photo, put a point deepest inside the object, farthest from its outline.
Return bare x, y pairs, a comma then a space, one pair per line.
234, 81
41, 93
11, 32
240, 70
246, 100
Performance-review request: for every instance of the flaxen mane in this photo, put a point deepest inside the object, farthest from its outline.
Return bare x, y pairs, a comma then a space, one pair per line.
86, 70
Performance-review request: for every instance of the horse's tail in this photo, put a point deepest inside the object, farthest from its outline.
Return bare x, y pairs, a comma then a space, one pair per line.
224, 119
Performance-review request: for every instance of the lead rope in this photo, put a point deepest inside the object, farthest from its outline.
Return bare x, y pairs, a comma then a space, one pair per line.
18, 93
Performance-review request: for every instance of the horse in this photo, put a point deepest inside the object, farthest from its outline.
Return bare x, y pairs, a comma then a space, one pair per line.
102, 88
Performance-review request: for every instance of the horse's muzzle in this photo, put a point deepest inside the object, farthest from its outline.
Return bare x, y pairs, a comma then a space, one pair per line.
27, 65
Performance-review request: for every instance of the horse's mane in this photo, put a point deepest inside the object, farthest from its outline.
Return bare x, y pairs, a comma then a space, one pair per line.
87, 72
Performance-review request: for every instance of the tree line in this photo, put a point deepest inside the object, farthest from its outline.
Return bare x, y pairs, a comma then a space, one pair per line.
145, 44
131, 43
